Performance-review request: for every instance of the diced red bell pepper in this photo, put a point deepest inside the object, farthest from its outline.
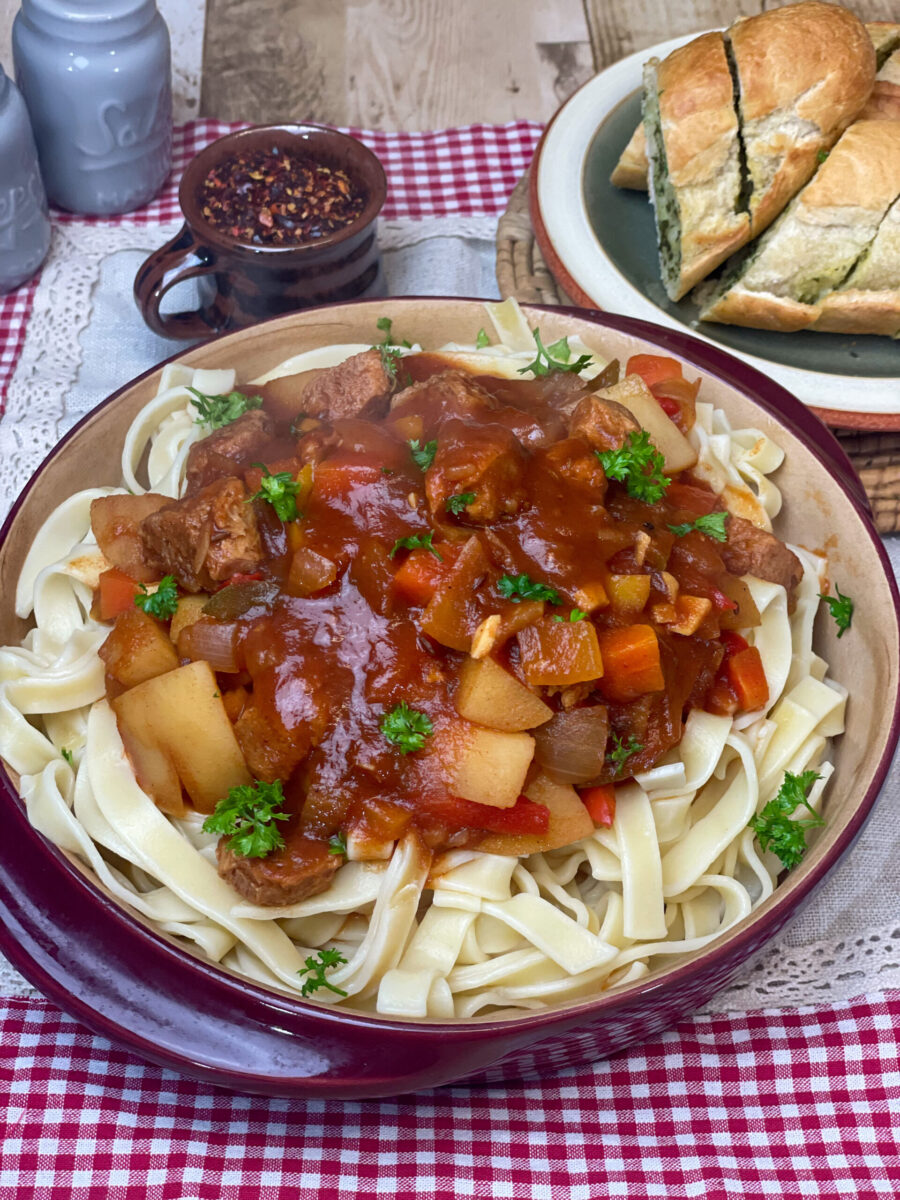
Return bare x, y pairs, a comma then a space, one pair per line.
653, 368
600, 803
525, 816
117, 593
733, 643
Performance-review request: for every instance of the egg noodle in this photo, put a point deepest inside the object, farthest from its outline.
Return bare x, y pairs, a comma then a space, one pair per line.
466, 933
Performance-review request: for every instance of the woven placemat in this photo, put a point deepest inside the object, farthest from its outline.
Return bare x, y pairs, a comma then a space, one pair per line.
522, 272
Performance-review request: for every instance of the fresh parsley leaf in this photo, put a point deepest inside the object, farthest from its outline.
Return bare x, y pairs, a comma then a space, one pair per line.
712, 524
216, 411
622, 751
280, 490
384, 325
337, 844
423, 456
575, 615
161, 603
247, 814
821, 156
482, 340
68, 756
406, 727
387, 471
416, 541
776, 828
522, 587
841, 608
390, 360
638, 465
554, 358
457, 504
315, 972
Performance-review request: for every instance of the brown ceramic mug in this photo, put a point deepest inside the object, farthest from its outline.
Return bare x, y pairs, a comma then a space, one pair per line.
241, 283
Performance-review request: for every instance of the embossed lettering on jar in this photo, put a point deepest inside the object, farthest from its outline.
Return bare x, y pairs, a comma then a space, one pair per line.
96, 79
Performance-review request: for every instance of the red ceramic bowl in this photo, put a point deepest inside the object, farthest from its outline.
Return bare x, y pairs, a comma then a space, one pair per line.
139, 988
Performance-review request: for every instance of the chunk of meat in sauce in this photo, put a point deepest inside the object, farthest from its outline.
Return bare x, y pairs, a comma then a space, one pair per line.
753, 551
270, 751
604, 424
301, 868
451, 393
576, 464
486, 461
206, 538
116, 522
358, 385
228, 450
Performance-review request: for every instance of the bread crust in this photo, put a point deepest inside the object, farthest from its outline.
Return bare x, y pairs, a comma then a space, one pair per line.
761, 310
797, 94
884, 103
855, 311
631, 169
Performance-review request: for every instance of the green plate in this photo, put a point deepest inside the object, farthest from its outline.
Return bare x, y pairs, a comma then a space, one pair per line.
622, 221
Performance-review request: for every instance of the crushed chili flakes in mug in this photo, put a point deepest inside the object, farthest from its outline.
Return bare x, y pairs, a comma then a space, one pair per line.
273, 198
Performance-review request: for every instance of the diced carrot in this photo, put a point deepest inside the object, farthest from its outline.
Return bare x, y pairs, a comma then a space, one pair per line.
692, 497
336, 477
600, 803
746, 675
631, 663
421, 574
117, 593
653, 368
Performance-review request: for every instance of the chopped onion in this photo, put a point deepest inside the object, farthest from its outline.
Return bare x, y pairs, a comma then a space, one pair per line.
571, 747
212, 641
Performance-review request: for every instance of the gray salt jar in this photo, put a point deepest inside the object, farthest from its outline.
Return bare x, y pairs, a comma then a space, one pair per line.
24, 224
96, 76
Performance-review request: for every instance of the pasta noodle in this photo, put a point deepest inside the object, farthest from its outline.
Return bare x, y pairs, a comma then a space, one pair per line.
470, 933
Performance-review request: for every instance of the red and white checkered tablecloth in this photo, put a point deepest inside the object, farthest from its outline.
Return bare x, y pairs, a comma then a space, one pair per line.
789, 1103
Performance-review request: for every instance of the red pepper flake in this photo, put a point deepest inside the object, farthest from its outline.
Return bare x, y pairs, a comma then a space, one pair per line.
266, 198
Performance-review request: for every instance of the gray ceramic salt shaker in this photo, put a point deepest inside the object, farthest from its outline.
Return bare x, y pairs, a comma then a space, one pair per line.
24, 224
96, 76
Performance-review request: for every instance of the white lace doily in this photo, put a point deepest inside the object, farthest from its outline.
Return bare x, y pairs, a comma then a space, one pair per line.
86, 338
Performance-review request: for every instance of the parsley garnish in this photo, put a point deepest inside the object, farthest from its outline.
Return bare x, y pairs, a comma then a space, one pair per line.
523, 587
841, 608
638, 465
337, 844
279, 490
575, 615
416, 541
315, 972
387, 471
456, 504
423, 456
161, 603
384, 324
620, 752
247, 813
482, 340
68, 756
774, 826
406, 727
216, 411
822, 155
554, 358
390, 360
712, 524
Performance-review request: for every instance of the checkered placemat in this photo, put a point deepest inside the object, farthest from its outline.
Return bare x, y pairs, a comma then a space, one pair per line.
785, 1103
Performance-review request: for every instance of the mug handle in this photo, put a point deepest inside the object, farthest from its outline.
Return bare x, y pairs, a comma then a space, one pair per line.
162, 270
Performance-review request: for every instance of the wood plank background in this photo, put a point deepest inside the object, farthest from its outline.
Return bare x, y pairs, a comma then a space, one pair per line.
418, 64
425, 64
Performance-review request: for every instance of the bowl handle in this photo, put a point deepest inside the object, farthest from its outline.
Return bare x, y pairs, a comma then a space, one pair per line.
163, 269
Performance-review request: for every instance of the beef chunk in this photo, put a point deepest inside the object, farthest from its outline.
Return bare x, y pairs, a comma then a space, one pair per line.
271, 751
358, 385
447, 394
753, 551
206, 538
486, 460
605, 424
302, 868
574, 462
228, 450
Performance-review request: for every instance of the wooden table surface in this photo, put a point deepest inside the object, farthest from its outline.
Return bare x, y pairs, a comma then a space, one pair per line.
413, 64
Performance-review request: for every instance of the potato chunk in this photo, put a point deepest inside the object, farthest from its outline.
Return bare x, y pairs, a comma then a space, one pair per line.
560, 653
569, 822
490, 767
489, 695
181, 716
137, 649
